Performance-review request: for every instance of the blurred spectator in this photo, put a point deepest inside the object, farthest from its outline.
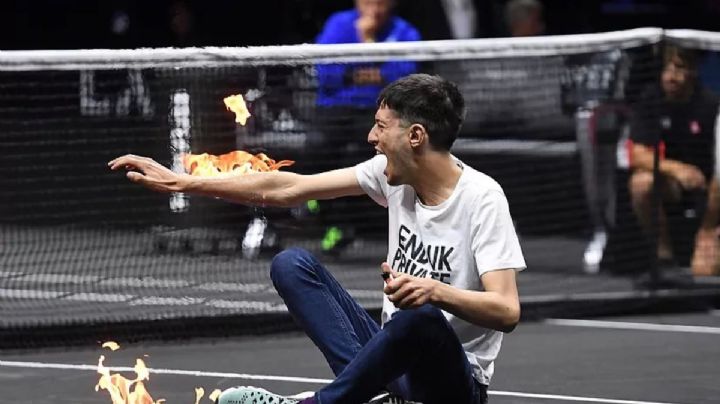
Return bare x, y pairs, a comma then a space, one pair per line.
181, 23
462, 18
347, 93
449, 19
120, 29
677, 117
525, 18
357, 85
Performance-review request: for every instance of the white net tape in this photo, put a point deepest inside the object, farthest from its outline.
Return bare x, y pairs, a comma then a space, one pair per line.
340, 53
703, 40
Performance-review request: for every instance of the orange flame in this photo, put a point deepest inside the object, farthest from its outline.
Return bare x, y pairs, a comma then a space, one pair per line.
122, 390
125, 391
111, 345
214, 395
236, 162
199, 393
236, 104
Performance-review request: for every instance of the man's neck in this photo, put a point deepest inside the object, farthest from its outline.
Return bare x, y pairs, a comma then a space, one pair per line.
438, 175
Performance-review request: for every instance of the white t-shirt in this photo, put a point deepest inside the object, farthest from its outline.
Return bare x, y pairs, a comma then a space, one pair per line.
455, 242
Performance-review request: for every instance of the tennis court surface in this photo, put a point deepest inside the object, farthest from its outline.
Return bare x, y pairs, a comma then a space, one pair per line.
86, 256
641, 359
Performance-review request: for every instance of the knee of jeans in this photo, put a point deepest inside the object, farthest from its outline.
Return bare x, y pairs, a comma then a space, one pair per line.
417, 322
286, 265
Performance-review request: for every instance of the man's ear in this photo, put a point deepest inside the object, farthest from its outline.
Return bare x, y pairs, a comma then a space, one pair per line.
418, 135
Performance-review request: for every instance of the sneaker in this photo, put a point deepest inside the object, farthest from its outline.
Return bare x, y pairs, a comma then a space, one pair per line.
256, 395
336, 239
593, 255
259, 238
252, 395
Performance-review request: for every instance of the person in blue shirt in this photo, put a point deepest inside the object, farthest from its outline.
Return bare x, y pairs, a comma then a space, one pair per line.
346, 101
358, 84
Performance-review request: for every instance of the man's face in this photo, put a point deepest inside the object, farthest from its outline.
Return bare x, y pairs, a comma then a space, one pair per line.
676, 78
531, 25
390, 137
378, 10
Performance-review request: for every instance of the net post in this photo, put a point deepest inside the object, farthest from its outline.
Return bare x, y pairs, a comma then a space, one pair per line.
179, 117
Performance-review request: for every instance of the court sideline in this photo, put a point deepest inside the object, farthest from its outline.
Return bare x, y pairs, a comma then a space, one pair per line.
624, 360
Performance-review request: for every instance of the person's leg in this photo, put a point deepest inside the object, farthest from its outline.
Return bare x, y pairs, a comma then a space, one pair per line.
419, 345
641, 193
337, 325
706, 255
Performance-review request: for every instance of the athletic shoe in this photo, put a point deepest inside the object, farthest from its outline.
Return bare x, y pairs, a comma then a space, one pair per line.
252, 395
256, 395
336, 239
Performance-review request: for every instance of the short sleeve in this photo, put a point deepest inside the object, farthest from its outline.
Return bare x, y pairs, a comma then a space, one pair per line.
371, 177
494, 241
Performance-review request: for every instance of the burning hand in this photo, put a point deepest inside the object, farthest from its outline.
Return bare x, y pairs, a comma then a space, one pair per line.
237, 162
149, 173
407, 291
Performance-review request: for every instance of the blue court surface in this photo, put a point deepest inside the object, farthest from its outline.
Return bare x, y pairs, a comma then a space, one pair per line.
670, 358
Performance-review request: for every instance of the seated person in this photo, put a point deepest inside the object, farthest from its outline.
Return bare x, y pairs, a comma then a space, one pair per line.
347, 92
679, 118
525, 18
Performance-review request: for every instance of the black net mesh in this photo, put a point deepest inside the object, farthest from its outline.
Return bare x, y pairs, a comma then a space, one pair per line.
82, 246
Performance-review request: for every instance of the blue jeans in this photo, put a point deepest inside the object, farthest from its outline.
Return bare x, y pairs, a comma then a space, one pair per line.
416, 355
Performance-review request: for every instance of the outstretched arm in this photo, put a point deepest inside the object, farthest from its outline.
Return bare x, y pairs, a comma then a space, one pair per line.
281, 189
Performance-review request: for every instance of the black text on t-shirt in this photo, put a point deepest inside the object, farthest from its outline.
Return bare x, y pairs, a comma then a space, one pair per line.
417, 259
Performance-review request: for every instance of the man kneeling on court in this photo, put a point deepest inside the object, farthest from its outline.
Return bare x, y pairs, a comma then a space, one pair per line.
450, 290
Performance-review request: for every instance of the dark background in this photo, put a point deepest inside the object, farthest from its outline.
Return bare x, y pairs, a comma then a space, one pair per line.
75, 24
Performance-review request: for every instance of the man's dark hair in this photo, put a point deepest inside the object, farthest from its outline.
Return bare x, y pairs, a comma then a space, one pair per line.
428, 100
688, 56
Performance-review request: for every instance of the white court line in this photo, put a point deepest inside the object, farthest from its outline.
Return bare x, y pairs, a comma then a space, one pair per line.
66, 366
30, 294
198, 373
696, 329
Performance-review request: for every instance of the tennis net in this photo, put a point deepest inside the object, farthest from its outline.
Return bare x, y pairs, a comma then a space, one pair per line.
82, 247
